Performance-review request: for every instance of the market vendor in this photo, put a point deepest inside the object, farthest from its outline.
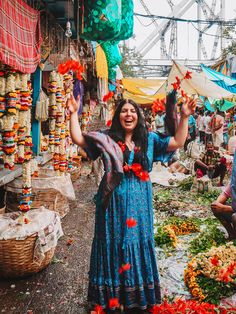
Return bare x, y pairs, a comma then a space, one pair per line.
224, 212
212, 164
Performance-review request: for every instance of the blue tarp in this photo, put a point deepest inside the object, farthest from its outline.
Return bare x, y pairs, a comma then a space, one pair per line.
220, 79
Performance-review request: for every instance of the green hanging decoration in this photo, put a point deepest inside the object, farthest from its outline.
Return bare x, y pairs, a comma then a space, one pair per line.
112, 74
127, 20
102, 20
112, 53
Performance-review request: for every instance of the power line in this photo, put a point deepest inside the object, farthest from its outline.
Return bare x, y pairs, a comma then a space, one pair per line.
215, 21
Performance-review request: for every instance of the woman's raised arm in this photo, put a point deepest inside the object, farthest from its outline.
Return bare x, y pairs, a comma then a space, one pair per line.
75, 131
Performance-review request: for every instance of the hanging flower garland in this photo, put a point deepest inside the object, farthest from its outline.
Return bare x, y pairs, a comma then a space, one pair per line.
177, 84
108, 96
25, 143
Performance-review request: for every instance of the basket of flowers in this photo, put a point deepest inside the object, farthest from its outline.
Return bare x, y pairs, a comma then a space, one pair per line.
27, 241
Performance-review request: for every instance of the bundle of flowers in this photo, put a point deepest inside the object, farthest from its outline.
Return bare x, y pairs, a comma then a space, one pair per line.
188, 306
212, 275
167, 234
183, 226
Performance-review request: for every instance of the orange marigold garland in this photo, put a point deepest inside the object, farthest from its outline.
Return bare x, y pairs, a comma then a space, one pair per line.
72, 65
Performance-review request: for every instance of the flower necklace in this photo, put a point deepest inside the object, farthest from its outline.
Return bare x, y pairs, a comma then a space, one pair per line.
136, 168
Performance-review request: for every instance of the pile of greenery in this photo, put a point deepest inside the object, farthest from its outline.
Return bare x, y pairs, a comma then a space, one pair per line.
211, 236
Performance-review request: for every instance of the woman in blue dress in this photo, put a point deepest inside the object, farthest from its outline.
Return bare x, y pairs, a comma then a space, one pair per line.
123, 268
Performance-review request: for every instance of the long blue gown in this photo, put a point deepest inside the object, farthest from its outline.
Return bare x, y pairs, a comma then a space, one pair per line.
115, 244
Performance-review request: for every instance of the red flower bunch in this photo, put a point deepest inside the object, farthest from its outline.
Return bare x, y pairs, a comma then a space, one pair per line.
131, 222
73, 65
109, 123
108, 96
184, 306
188, 75
98, 310
226, 273
122, 146
138, 171
215, 261
113, 303
158, 105
176, 85
124, 268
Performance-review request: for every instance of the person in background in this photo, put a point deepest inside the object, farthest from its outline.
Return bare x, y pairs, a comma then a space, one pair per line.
191, 131
232, 127
201, 127
160, 122
217, 124
212, 164
207, 124
225, 134
225, 213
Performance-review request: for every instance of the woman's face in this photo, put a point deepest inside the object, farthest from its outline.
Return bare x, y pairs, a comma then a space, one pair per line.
128, 117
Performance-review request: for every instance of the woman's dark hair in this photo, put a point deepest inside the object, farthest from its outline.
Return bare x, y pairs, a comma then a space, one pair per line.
140, 133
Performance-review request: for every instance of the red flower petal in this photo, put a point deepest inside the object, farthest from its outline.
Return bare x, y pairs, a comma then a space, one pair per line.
98, 309
136, 167
109, 123
113, 303
131, 222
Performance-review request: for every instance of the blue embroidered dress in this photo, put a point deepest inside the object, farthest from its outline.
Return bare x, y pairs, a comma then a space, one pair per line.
115, 244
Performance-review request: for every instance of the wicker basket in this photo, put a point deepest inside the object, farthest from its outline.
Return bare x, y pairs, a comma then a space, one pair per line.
16, 258
50, 199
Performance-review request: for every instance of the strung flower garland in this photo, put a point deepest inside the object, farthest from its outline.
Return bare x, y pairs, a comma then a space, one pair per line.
177, 84
60, 87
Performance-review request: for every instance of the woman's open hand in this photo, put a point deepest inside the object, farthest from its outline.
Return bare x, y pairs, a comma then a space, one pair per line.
73, 105
188, 107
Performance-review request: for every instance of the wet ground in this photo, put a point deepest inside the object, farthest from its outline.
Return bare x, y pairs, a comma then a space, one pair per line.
62, 287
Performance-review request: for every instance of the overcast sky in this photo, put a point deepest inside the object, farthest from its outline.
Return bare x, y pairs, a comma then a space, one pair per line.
187, 35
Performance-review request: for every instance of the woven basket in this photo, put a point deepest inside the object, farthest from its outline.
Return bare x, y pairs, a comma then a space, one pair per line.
16, 258
50, 199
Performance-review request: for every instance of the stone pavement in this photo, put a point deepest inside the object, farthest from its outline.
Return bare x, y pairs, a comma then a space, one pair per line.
62, 287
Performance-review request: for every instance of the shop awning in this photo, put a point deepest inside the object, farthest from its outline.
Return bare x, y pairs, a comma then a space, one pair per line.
220, 79
20, 36
199, 84
142, 91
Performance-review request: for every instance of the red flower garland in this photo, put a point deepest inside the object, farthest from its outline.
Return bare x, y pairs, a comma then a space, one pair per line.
158, 105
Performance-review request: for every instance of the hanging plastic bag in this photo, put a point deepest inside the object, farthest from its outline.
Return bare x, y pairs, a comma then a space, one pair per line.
41, 111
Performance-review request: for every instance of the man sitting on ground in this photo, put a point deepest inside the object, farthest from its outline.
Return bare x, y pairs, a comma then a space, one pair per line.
224, 213
212, 164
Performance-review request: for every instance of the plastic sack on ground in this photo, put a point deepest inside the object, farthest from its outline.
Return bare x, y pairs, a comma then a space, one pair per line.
102, 19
